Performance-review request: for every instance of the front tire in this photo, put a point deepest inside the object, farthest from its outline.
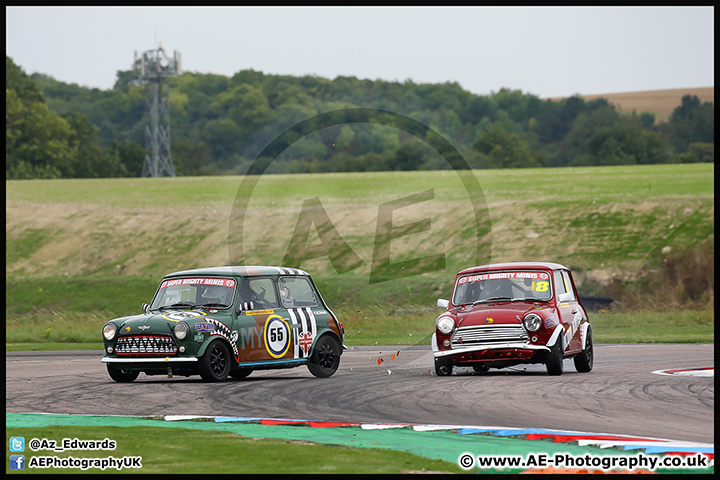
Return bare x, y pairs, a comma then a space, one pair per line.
584, 360
554, 361
215, 363
325, 358
120, 375
443, 367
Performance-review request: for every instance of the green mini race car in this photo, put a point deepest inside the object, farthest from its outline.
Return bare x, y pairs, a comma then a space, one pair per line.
226, 321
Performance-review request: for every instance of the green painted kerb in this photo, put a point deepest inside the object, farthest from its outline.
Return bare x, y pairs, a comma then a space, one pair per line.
445, 445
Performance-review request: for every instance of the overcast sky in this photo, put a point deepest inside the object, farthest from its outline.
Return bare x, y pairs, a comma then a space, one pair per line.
545, 51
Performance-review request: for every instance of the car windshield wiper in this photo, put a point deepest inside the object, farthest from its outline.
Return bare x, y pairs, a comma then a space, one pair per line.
178, 305
528, 299
491, 299
214, 305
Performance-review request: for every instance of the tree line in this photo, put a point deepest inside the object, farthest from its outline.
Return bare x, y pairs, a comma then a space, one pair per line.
220, 124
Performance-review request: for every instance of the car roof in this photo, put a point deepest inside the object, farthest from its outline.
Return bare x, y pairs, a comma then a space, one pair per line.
514, 266
239, 271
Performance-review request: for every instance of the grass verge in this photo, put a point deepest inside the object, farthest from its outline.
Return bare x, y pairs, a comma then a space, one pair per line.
374, 325
681, 326
224, 452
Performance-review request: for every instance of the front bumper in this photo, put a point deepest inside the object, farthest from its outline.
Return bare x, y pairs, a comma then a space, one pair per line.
519, 351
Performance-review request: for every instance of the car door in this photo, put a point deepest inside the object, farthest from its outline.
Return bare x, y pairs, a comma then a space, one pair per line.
570, 311
577, 310
304, 310
264, 331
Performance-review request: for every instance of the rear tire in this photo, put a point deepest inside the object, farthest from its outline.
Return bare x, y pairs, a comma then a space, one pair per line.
120, 375
584, 360
481, 369
325, 358
554, 361
215, 363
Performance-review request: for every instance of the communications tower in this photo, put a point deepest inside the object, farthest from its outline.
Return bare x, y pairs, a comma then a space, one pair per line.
155, 67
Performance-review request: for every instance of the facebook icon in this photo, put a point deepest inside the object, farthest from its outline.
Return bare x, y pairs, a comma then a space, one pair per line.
17, 462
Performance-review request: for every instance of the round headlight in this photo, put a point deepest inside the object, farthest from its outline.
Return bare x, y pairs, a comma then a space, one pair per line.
445, 325
533, 322
109, 331
181, 330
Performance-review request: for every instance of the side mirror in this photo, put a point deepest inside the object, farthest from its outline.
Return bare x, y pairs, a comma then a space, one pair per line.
443, 303
565, 297
145, 307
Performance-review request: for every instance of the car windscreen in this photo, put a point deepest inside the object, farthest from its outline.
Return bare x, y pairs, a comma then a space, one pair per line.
505, 285
194, 292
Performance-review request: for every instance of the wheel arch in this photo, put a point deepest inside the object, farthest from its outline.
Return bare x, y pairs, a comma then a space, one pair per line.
554, 336
584, 327
203, 348
322, 333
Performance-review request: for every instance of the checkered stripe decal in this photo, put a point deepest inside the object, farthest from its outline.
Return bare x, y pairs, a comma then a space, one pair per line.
223, 331
305, 328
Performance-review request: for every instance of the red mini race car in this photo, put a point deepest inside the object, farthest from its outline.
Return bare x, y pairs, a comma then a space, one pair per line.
507, 314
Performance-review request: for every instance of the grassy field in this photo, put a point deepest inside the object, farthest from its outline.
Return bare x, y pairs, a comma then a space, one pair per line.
81, 251
149, 227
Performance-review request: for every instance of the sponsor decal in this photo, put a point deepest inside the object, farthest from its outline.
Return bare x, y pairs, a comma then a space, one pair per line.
259, 312
498, 275
220, 282
199, 338
205, 326
249, 335
550, 322
177, 316
276, 334
489, 320
127, 329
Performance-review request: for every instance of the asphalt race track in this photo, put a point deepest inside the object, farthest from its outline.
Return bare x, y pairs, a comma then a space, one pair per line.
620, 396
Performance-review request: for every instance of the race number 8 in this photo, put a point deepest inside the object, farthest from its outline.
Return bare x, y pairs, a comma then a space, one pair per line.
540, 286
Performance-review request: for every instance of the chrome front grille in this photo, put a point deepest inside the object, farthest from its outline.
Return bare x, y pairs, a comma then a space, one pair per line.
145, 345
488, 335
